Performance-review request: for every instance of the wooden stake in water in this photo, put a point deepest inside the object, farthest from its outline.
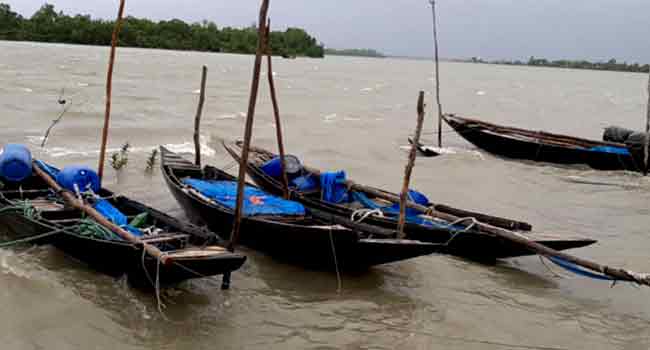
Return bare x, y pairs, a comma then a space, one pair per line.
248, 131
276, 110
109, 87
646, 151
197, 118
435, 49
410, 165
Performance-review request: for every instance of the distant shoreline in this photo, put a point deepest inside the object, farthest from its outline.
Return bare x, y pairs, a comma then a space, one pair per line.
610, 66
51, 26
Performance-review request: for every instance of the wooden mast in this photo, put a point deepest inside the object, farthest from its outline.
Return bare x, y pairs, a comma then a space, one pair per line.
248, 131
409, 166
646, 149
276, 110
109, 87
435, 49
197, 118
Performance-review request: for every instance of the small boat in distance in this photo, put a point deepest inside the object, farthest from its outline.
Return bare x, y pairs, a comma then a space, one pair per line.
284, 229
509, 142
31, 211
365, 204
426, 151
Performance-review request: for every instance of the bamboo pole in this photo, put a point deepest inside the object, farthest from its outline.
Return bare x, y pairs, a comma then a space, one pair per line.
615, 273
109, 87
248, 131
435, 49
90, 211
197, 118
276, 110
646, 152
409, 167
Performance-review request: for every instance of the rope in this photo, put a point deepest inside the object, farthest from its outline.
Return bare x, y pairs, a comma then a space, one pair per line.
32, 238
336, 263
363, 213
575, 269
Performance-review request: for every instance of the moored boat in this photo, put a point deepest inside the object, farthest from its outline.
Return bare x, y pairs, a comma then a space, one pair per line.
284, 229
32, 211
365, 204
548, 147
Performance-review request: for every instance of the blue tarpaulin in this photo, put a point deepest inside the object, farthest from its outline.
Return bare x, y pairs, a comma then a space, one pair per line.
256, 201
611, 149
333, 187
115, 216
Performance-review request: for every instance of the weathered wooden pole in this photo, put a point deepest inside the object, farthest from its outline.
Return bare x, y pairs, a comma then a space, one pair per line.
409, 166
109, 87
276, 110
435, 49
646, 152
248, 131
197, 118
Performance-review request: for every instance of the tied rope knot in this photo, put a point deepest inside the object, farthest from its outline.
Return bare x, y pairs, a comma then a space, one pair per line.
363, 213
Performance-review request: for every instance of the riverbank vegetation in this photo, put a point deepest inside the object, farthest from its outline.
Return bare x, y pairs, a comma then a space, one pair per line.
49, 25
354, 52
611, 65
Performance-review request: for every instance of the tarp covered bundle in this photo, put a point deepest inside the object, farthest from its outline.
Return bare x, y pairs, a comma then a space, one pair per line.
115, 216
333, 187
616, 134
256, 201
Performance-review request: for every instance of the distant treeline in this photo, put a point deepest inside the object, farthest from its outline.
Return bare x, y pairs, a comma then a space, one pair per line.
611, 65
354, 52
48, 25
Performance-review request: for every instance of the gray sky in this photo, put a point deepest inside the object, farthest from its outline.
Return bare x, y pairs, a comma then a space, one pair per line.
593, 29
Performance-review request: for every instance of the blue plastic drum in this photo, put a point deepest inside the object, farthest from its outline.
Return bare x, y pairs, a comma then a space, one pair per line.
82, 176
15, 163
273, 167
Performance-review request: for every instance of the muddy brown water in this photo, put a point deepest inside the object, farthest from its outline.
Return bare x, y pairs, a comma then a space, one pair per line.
338, 113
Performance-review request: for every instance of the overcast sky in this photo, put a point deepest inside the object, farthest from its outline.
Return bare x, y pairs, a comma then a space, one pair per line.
494, 29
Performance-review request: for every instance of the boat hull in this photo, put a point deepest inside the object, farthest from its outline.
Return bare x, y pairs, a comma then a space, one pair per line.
471, 245
319, 244
510, 146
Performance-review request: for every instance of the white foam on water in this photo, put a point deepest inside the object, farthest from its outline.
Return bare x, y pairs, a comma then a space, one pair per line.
227, 116
330, 118
83, 84
188, 147
351, 119
368, 89
36, 140
480, 93
27, 90
10, 269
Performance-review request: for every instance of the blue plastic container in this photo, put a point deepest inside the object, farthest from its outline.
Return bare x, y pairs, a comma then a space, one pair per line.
273, 167
15, 162
82, 176
305, 183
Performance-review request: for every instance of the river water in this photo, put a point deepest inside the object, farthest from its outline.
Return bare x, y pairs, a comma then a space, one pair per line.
338, 113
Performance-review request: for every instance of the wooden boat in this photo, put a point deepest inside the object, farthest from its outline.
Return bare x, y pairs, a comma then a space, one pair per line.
423, 150
310, 240
545, 147
32, 210
456, 239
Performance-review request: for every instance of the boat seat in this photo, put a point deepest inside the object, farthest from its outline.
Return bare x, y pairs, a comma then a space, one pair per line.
165, 237
46, 205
